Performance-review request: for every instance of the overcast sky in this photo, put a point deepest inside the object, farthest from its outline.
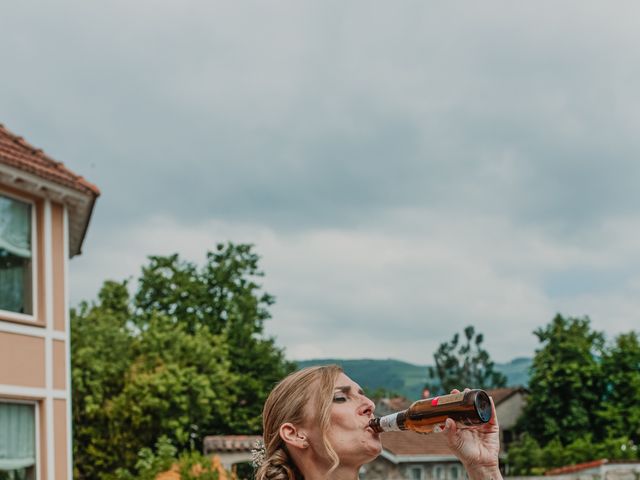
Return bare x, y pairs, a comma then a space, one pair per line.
403, 168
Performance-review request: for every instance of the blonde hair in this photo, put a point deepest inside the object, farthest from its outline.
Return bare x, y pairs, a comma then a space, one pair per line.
287, 402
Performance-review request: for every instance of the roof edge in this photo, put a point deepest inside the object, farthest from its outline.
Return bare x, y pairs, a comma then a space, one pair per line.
88, 187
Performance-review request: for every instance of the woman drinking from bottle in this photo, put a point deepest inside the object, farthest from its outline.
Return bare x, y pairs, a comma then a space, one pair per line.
316, 427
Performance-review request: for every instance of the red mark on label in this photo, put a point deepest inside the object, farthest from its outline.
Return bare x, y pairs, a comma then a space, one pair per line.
434, 402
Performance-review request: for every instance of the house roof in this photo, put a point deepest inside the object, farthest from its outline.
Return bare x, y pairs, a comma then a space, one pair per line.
412, 444
29, 168
17, 152
499, 395
576, 468
586, 466
229, 443
387, 405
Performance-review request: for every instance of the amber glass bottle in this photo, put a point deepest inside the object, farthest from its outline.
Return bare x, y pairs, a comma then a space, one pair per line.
472, 407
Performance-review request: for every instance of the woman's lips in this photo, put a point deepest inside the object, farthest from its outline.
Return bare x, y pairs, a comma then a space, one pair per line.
371, 431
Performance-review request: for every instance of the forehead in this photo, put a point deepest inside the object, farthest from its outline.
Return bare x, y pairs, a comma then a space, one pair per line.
344, 380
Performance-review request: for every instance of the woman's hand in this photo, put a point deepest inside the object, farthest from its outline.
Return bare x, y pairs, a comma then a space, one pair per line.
477, 447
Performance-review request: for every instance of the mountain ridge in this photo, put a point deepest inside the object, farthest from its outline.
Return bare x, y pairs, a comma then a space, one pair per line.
406, 378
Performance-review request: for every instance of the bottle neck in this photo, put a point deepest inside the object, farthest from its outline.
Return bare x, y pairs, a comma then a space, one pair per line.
389, 423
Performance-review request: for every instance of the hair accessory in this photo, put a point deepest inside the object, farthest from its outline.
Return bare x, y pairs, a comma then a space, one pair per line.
258, 454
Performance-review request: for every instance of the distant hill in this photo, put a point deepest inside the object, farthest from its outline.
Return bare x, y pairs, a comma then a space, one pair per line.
406, 378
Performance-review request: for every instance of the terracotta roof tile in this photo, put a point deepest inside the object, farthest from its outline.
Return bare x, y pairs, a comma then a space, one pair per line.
410, 443
587, 465
399, 403
384, 406
576, 468
499, 395
229, 443
16, 152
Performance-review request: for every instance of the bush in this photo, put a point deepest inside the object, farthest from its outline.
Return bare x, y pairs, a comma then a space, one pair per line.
191, 465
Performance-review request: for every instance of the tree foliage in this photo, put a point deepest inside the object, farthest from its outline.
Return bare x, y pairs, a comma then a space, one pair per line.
584, 400
620, 410
566, 381
463, 362
184, 357
191, 465
527, 457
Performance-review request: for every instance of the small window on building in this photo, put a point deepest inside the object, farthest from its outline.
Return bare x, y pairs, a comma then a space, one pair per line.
16, 266
454, 473
507, 437
416, 473
17, 441
439, 473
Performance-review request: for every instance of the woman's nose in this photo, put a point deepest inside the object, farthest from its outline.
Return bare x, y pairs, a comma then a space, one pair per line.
367, 407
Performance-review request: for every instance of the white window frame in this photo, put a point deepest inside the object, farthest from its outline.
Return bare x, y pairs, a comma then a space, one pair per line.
33, 317
413, 468
36, 409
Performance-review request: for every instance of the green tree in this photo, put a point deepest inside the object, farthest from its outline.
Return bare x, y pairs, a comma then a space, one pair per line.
225, 298
619, 413
584, 398
566, 381
100, 356
463, 363
149, 463
178, 385
525, 457
185, 357
191, 465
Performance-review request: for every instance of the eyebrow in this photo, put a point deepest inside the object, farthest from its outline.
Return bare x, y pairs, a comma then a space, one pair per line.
347, 388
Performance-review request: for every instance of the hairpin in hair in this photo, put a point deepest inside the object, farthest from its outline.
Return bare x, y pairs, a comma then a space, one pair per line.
258, 454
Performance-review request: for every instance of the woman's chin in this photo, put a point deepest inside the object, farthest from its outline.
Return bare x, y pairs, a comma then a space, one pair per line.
375, 449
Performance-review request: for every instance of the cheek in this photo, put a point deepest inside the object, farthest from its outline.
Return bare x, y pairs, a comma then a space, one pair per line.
342, 418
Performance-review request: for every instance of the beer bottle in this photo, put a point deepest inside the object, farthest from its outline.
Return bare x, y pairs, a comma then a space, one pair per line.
471, 407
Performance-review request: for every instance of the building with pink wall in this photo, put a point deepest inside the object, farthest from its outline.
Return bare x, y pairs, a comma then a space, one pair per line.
44, 214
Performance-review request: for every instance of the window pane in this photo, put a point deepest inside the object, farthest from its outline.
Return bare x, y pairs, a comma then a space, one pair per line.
20, 474
15, 256
17, 437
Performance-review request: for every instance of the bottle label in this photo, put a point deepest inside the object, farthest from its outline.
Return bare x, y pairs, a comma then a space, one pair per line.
456, 397
389, 423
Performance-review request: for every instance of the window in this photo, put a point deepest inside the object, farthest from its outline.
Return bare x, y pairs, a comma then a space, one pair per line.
507, 437
439, 473
17, 441
415, 473
16, 248
454, 473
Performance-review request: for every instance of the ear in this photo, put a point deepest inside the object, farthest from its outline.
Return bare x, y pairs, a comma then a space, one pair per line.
292, 436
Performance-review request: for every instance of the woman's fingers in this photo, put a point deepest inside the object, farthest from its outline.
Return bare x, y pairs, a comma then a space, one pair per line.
494, 415
450, 425
455, 390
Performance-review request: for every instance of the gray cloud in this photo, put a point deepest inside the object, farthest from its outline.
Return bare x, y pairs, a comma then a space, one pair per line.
298, 117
